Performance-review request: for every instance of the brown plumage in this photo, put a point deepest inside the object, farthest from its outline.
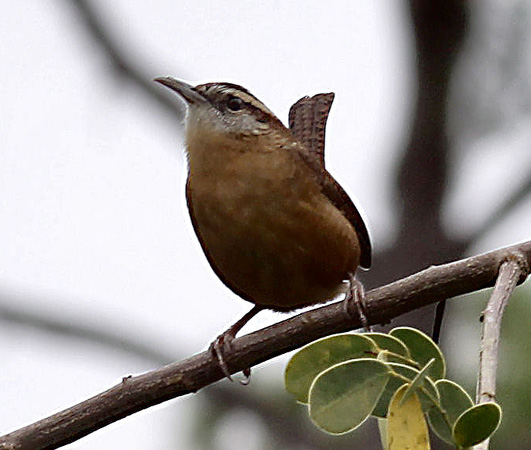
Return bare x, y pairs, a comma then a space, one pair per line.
307, 121
275, 226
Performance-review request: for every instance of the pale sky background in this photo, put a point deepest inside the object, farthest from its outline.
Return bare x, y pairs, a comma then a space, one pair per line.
93, 222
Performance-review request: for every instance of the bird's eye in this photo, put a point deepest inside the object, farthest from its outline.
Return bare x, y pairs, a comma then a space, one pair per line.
234, 103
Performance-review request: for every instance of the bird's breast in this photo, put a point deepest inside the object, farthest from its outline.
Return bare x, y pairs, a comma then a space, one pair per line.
269, 233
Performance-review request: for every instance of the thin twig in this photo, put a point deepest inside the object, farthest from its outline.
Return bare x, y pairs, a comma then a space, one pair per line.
438, 321
136, 393
511, 271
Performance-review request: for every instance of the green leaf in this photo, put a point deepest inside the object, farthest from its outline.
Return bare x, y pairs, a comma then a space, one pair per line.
342, 397
406, 427
391, 345
422, 349
418, 381
477, 424
454, 401
387, 342
394, 383
320, 355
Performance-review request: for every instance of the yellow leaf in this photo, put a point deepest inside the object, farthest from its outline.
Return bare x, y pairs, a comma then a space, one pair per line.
406, 428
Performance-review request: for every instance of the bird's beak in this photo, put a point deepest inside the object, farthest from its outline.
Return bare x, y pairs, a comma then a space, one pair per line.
186, 91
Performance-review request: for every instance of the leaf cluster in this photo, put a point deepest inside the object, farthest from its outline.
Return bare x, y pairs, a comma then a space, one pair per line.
397, 378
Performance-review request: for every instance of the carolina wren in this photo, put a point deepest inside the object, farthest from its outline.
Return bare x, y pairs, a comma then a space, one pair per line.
275, 226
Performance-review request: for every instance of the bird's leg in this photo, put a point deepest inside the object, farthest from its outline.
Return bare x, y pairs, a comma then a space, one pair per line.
355, 299
223, 342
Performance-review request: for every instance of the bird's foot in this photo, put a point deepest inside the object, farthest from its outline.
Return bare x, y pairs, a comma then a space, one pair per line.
219, 348
223, 344
355, 301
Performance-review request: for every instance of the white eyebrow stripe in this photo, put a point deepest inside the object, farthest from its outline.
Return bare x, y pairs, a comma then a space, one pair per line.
210, 90
247, 99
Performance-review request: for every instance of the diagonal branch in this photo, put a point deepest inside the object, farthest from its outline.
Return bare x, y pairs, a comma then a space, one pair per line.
136, 393
123, 64
281, 423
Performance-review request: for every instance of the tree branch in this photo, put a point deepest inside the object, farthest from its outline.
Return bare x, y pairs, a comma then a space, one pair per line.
136, 393
514, 269
281, 422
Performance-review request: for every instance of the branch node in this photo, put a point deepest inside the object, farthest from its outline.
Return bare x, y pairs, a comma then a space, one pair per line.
523, 265
488, 396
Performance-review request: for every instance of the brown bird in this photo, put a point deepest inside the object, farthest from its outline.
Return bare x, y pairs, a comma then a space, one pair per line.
275, 226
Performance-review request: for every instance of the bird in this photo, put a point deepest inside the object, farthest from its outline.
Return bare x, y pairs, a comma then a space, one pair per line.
275, 226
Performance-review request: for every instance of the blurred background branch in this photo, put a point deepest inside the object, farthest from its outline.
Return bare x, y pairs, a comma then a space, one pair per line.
127, 67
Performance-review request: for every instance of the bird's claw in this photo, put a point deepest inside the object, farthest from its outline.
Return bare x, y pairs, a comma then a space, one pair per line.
218, 348
355, 299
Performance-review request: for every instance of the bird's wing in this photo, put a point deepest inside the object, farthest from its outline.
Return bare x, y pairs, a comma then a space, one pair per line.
307, 122
337, 195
